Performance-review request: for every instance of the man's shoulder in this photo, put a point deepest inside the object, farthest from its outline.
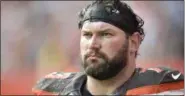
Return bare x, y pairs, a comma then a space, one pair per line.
159, 75
53, 83
156, 80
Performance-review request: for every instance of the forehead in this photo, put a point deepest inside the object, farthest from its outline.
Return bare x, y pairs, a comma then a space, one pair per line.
99, 26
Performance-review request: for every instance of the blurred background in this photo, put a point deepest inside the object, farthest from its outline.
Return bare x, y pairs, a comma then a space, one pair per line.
40, 37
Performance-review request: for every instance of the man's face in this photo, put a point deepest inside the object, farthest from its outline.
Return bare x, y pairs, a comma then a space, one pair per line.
104, 49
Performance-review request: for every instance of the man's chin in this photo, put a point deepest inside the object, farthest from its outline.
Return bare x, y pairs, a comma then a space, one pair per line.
92, 67
99, 77
95, 72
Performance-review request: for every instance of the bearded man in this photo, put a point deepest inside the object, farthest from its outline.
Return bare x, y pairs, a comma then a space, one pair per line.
111, 34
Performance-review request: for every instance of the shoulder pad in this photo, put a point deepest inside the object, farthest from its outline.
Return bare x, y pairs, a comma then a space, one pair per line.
171, 75
53, 83
160, 75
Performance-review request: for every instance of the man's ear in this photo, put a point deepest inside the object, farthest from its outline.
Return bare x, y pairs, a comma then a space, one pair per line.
135, 41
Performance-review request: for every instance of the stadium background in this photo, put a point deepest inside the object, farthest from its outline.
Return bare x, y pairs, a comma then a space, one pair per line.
39, 37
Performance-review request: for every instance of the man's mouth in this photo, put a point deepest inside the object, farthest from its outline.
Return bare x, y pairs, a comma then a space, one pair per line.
93, 57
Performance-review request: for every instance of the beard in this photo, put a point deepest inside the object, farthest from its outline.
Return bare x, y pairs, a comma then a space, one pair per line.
104, 68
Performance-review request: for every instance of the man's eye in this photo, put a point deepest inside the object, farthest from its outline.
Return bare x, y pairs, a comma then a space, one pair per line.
87, 34
106, 34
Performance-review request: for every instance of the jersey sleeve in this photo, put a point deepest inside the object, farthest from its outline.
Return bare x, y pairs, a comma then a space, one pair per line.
52, 84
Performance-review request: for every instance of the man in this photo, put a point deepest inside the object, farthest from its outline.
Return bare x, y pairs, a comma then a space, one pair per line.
111, 34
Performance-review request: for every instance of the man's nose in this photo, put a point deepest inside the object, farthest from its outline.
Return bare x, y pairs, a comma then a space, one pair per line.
94, 43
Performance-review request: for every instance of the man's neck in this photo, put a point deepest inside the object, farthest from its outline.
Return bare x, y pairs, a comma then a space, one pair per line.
106, 87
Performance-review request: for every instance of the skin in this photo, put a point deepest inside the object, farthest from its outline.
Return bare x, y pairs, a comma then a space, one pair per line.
109, 40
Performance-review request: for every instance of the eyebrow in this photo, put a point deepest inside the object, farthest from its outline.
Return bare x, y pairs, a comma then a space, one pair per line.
100, 31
